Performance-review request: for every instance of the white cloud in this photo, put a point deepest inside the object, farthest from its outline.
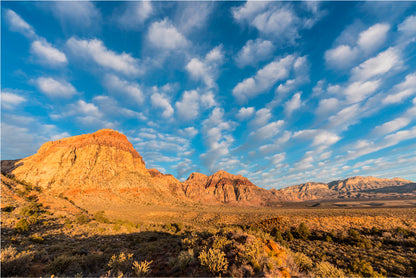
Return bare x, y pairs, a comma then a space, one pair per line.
384, 62
276, 21
268, 131
80, 14
325, 138
254, 52
161, 101
60, 136
206, 70
354, 48
164, 35
342, 56
112, 109
95, 49
135, 14
264, 79
402, 91
392, 126
278, 158
408, 26
301, 72
130, 89
189, 132
359, 90
191, 103
262, 117
345, 117
193, 16
245, 113
293, 104
10, 100
17, 24
47, 53
372, 38
55, 88
188, 107
327, 105
216, 141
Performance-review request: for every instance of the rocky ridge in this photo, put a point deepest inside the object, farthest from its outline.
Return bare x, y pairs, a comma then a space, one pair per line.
105, 164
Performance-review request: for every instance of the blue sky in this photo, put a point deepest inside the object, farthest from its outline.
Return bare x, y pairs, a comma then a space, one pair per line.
280, 92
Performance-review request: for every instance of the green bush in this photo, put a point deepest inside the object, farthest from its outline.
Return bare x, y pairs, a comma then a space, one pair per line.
364, 269
82, 219
31, 209
141, 269
214, 260
303, 231
220, 242
14, 263
326, 269
120, 263
303, 262
99, 217
22, 225
185, 258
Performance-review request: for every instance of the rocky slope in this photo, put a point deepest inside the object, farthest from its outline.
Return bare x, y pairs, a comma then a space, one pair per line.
104, 164
226, 188
351, 188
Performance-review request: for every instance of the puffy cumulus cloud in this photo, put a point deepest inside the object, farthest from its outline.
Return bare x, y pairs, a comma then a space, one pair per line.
327, 106
392, 126
293, 104
130, 89
359, 90
184, 167
95, 50
193, 16
268, 131
55, 88
319, 137
264, 79
254, 52
245, 113
355, 47
262, 116
164, 35
134, 14
189, 132
377, 66
275, 20
345, 117
17, 24
206, 70
75, 14
402, 91
161, 101
277, 158
215, 138
372, 38
301, 76
112, 109
407, 29
47, 53
11, 101
189, 106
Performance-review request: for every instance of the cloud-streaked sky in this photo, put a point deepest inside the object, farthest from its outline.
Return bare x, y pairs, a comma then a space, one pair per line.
280, 92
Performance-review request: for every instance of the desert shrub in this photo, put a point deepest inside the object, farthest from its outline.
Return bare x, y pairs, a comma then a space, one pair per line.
326, 269
253, 253
22, 225
364, 269
82, 219
178, 226
141, 269
99, 216
304, 263
120, 263
14, 263
214, 260
65, 265
37, 239
31, 209
190, 241
289, 236
220, 242
303, 231
185, 258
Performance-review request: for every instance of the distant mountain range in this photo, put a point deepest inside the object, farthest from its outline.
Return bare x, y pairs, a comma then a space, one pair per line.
105, 162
